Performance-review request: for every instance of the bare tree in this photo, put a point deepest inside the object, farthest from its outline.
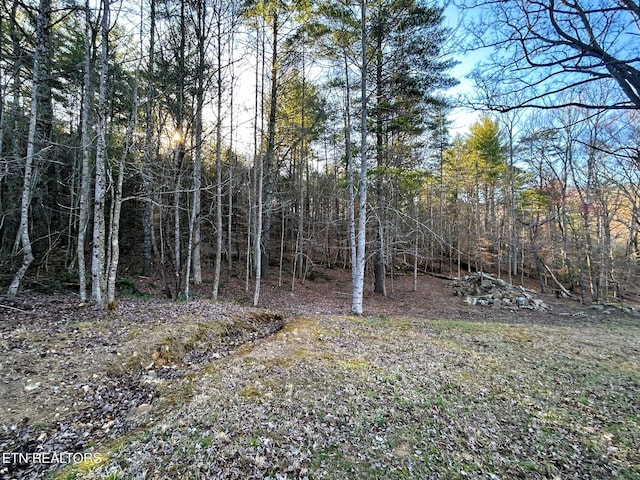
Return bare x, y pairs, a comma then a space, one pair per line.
4, 164
258, 167
179, 146
113, 249
85, 179
193, 261
219, 94
98, 287
39, 57
358, 276
509, 125
232, 83
269, 166
543, 48
149, 150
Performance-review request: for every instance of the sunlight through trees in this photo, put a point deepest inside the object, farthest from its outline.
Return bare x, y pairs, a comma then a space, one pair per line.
120, 124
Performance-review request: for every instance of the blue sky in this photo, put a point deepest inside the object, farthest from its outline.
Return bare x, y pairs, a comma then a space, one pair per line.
462, 118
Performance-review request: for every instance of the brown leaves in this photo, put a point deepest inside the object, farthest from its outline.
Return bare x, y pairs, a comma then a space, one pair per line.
366, 398
331, 396
73, 376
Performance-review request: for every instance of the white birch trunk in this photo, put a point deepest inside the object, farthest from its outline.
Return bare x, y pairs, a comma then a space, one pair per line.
351, 189
98, 287
358, 276
38, 59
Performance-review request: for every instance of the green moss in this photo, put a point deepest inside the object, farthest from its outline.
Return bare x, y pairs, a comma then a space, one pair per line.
250, 391
355, 364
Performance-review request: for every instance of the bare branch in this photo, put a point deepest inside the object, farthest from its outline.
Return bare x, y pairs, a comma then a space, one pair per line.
544, 48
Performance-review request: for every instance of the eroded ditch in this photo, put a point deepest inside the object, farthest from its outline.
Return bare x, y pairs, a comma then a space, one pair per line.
74, 379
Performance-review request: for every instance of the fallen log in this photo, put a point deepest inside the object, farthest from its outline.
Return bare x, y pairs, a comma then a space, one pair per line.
557, 282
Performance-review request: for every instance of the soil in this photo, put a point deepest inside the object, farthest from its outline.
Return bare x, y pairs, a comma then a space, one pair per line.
73, 376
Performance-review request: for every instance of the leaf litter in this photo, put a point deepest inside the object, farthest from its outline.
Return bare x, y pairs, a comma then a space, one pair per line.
432, 391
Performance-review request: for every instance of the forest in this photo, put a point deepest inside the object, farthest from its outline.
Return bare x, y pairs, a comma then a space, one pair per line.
247, 239
190, 141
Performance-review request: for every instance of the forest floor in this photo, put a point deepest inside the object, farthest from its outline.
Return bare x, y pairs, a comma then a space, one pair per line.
424, 386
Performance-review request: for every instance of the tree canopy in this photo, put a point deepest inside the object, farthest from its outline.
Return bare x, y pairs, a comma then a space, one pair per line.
133, 125
553, 53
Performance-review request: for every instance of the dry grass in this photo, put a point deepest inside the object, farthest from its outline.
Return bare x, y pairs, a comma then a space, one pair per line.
341, 397
425, 387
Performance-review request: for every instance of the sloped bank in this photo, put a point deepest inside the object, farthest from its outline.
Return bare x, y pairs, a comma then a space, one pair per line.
74, 378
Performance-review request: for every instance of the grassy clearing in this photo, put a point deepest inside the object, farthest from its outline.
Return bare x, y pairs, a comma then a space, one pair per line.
341, 397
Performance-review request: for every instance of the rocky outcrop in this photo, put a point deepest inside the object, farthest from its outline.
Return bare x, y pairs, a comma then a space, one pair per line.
486, 290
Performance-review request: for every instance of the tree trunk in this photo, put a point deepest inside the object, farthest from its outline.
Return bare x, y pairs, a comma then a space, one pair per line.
270, 167
258, 167
379, 285
177, 186
178, 153
298, 263
195, 228
149, 151
258, 230
114, 237
358, 276
10, 223
85, 179
4, 163
116, 208
230, 152
218, 251
39, 58
193, 260
98, 287
349, 159
537, 259
512, 233
378, 262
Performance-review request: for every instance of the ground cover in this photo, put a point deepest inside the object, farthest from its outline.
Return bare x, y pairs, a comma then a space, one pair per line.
422, 387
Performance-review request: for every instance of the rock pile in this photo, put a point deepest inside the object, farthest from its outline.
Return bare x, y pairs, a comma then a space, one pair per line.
484, 289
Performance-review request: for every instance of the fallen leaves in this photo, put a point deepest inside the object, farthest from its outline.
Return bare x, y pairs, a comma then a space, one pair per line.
543, 395
73, 376
301, 405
